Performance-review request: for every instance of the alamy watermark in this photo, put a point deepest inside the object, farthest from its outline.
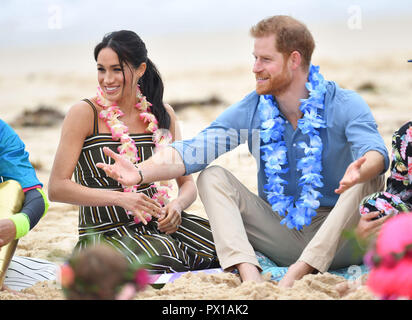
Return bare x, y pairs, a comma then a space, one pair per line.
354, 21
55, 19
355, 276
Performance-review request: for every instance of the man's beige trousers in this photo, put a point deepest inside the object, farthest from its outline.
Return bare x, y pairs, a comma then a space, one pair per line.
243, 223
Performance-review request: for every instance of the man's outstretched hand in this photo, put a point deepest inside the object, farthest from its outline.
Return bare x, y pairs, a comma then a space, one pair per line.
352, 175
122, 170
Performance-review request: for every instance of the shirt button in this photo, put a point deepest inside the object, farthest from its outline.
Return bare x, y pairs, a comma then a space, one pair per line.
294, 144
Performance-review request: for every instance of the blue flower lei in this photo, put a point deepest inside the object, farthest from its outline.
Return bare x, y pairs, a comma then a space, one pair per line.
274, 154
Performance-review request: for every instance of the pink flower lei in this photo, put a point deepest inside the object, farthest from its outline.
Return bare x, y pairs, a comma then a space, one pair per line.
161, 138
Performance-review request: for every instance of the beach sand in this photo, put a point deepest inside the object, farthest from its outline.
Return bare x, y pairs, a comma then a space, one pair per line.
60, 76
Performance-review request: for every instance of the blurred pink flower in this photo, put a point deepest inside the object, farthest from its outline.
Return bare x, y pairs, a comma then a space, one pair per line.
141, 278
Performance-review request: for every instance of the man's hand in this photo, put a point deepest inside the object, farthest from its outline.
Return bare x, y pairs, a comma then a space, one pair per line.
352, 175
122, 170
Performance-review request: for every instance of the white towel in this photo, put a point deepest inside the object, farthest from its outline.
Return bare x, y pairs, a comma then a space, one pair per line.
24, 272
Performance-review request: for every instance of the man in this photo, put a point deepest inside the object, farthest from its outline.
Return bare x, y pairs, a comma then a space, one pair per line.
318, 153
22, 200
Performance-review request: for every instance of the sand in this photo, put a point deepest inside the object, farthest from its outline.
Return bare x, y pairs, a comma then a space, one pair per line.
63, 75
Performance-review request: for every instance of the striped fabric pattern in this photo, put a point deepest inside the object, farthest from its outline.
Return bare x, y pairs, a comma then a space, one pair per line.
87, 174
191, 247
24, 272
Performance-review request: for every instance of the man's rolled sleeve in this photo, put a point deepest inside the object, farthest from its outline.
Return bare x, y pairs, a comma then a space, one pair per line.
190, 157
362, 131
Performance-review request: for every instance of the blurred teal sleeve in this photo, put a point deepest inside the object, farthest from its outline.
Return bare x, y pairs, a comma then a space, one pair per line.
14, 159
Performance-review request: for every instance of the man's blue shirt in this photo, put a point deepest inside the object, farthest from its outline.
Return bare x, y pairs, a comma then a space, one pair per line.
350, 132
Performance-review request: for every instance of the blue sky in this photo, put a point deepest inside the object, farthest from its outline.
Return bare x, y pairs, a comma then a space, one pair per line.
39, 21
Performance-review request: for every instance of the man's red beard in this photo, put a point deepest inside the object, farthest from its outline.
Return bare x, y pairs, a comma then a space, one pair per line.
275, 86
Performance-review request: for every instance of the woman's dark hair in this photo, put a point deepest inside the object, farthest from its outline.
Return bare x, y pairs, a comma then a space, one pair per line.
132, 51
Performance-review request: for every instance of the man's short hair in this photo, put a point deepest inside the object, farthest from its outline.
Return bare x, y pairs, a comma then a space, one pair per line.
291, 35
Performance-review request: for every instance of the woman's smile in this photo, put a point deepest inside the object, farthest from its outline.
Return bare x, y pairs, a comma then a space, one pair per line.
112, 90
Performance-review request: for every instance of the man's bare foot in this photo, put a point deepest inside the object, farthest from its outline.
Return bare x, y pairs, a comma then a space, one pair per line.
295, 272
346, 287
249, 272
343, 288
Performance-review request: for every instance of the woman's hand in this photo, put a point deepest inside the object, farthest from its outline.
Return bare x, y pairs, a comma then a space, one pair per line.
7, 231
368, 227
140, 205
171, 220
122, 170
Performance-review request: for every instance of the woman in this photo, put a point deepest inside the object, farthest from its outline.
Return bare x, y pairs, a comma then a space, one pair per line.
126, 116
376, 208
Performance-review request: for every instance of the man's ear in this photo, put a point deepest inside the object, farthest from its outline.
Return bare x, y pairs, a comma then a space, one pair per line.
295, 60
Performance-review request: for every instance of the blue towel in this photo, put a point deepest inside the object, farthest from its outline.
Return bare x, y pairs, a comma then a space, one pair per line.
349, 273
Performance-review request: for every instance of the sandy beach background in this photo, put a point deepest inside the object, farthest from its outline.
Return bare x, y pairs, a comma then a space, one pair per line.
205, 70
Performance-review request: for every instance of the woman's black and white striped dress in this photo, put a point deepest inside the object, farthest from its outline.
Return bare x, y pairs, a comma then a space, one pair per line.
191, 247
